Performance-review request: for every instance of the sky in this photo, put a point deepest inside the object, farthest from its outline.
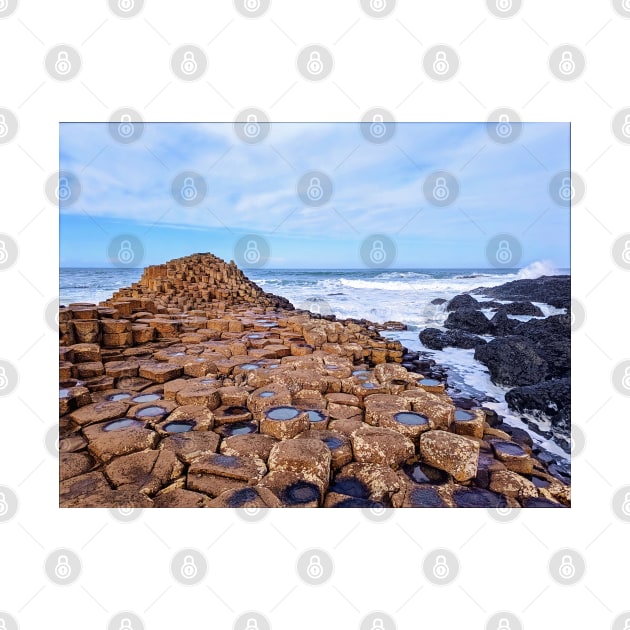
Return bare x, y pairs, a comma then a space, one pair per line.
377, 189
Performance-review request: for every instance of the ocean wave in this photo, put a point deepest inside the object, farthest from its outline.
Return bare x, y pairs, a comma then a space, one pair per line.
537, 269
401, 274
375, 284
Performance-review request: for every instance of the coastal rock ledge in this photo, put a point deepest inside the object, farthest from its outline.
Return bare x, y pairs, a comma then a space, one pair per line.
195, 388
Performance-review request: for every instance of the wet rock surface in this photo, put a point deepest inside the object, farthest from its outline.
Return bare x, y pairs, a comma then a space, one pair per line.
195, 388
533, 356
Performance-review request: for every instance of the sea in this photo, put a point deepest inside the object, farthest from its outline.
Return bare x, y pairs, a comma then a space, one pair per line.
402, 295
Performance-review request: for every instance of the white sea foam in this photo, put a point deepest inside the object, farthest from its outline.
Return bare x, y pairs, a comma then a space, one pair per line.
537, 269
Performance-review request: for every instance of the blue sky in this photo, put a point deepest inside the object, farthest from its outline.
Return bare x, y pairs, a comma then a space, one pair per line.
126, 189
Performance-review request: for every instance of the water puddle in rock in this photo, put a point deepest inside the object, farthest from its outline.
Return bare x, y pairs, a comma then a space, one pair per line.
180, 426
123, 423
249, 366
332, 442
118, 396
426, 497
266, 394
478, 498
63, 393
300, 492
151, 412
235, 411
145, 398
242, 496
237, 428
282, 413
509, 448
462, 415
315, 416
429, 381
411, 418
351, 487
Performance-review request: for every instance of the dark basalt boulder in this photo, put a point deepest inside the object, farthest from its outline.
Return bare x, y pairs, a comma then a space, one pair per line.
503, 325
550, 399
521, 308
554, 290
462, 301
469, 320
512, 361
436, 339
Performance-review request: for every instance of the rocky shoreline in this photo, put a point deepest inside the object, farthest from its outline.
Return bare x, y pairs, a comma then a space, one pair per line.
532, 357
195, 388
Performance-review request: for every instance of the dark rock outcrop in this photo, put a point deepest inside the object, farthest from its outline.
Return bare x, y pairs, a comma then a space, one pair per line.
462, 301
512, 361
521, 308
554, 290
436, 339
469, 320
551, 399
